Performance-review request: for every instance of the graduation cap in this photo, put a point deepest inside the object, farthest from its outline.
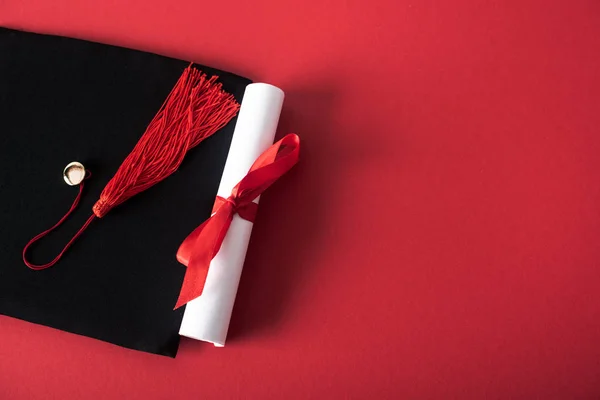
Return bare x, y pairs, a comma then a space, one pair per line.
131, 118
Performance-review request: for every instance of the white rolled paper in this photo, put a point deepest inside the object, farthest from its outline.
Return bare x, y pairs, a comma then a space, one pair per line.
207, 317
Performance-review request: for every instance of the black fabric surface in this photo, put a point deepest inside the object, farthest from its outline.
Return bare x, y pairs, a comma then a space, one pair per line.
64, 100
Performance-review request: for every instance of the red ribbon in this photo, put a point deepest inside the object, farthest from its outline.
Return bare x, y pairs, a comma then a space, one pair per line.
203, 244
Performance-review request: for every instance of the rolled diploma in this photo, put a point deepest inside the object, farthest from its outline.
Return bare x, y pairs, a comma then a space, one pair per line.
207, 317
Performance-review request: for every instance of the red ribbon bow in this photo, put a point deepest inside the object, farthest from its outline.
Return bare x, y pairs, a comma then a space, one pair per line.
203, 244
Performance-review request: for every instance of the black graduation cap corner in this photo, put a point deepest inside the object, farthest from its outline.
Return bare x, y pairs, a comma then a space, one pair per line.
63, 100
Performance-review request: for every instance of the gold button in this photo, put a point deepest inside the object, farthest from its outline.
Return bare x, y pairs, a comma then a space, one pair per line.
74, 173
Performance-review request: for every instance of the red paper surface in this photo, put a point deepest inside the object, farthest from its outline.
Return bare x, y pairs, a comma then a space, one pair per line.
439, 238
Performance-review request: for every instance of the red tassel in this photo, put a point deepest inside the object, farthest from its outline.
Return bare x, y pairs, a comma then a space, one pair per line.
196, 108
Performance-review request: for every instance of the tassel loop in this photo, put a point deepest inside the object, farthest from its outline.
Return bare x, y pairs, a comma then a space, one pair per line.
37, 267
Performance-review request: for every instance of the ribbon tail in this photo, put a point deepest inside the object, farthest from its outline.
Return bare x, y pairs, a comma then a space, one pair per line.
204, 243
184, 253
187, 293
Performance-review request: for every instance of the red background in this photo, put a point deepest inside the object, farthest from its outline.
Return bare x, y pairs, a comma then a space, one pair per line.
440, 236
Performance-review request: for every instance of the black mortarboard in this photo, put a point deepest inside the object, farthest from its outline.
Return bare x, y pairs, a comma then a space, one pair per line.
64, 100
